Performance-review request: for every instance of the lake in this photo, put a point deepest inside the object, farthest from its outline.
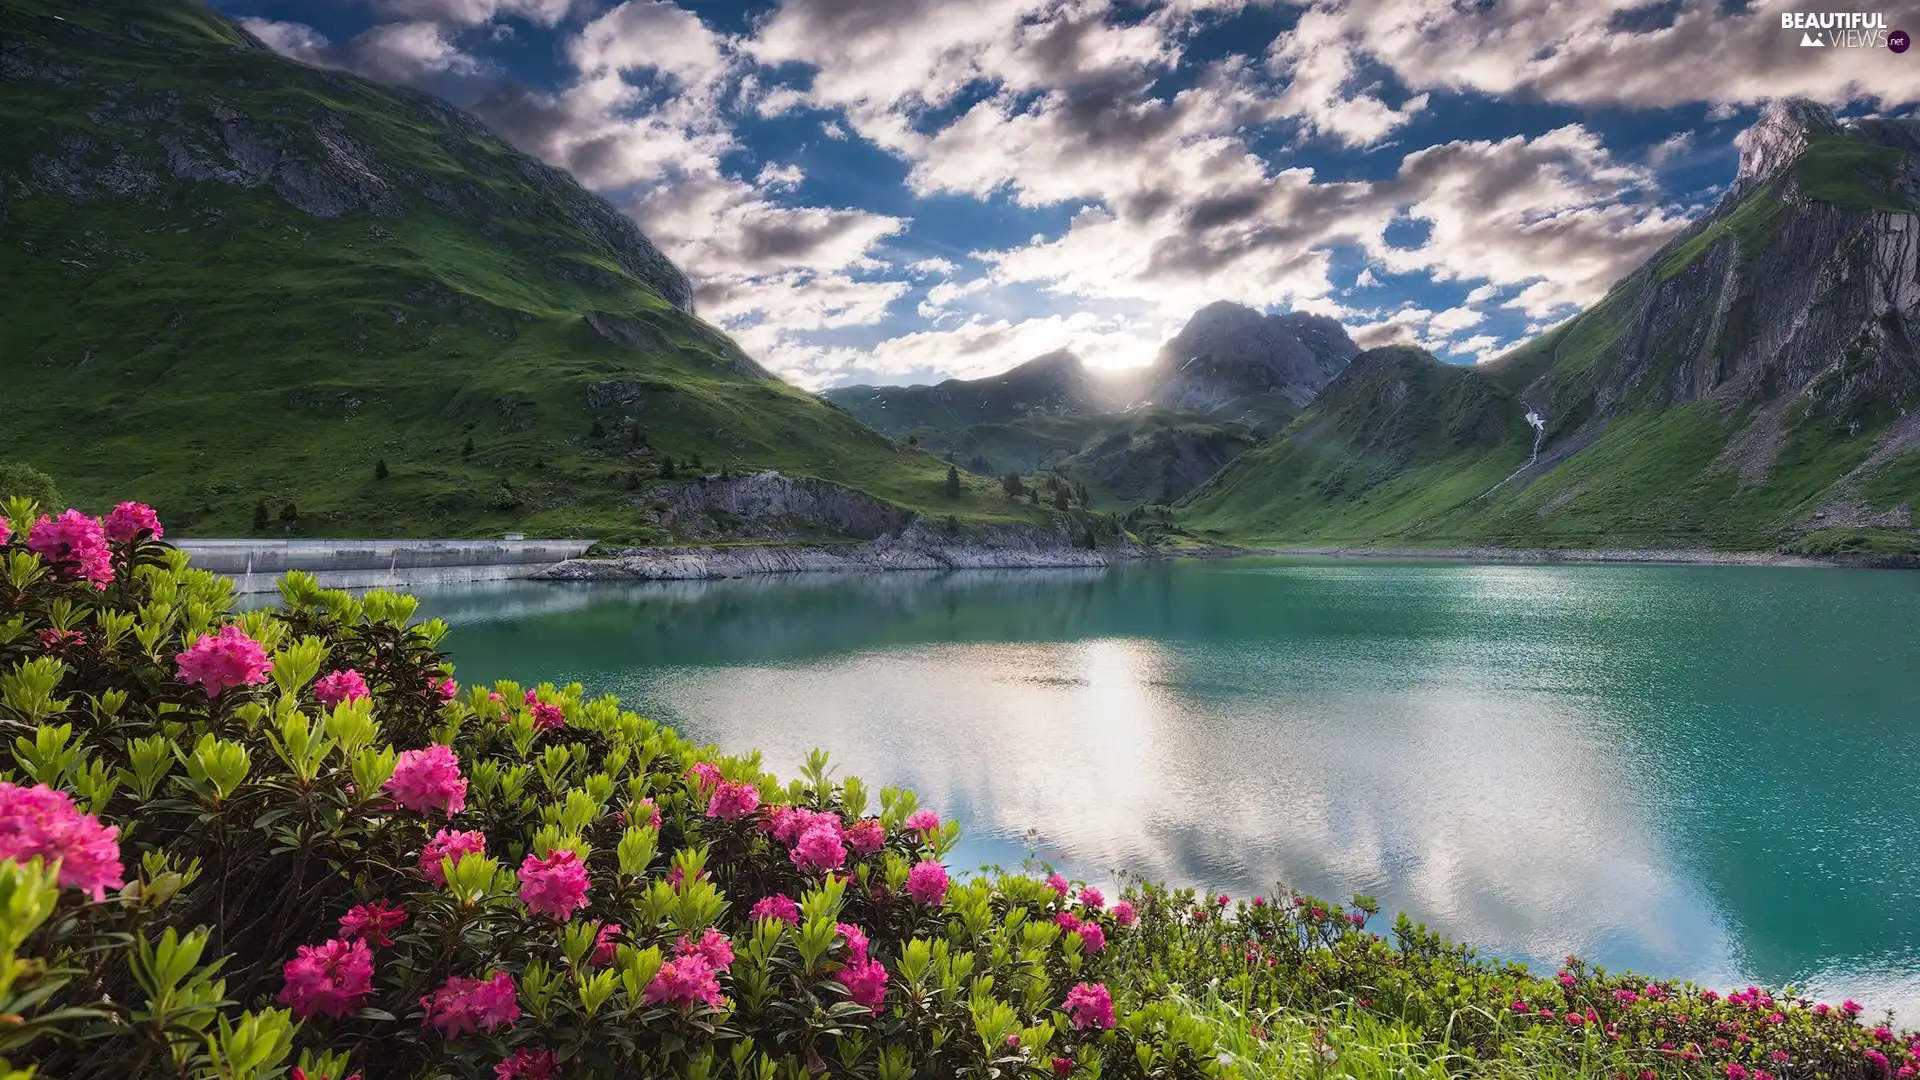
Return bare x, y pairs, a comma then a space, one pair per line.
1710, 772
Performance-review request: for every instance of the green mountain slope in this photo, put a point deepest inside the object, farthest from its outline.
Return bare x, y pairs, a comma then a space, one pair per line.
1751, 386
232, 278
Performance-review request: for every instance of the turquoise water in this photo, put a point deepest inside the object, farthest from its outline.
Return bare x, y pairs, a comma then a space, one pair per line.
1711, 772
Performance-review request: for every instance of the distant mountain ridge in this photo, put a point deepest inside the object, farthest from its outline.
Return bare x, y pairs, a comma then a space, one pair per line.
1146, 435
1751, 385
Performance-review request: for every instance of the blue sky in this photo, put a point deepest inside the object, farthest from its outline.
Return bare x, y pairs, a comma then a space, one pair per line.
907, 190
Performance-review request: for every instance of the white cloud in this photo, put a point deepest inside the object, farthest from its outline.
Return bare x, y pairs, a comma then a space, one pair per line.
779, 177
933, 265
477, 12
400, 52
978, 347
1453, 320
653, 35
1366, 280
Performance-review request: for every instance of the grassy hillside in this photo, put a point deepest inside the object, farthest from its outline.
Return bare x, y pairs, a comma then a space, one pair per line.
1745, 389
232, 278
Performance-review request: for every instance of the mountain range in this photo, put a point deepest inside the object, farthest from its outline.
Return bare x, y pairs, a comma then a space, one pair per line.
273, 298
1751, 385
238, 287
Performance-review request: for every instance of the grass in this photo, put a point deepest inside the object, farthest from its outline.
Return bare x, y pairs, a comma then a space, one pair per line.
1852, 174
207, 346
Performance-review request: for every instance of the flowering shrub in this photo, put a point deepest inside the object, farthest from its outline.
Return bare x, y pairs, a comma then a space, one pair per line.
288, 843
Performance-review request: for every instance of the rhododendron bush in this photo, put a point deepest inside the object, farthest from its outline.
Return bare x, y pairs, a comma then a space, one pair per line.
289, 843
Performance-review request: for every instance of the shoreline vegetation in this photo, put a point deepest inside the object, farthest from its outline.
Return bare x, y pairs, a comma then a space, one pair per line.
288, 843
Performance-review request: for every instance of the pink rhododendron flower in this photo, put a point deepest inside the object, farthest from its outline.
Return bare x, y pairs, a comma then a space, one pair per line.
1851, 1007
1879, 1059
548, 717
677, 877
714, 947
789, 823
447, 844
856, 942
1881, 1034
704, 774
647, 809
1124, 914
41, 821
1223, 900
376, 921
6, 532
337, 686
1259, 901
1780, 1057
1521, 1006
463, 1005
1736, 1071
1057, 884
73, 537
228, 658
1092, 938
1090, 1006
555, 886
1567, 980
1062, 1068
923, 821
130, 519
1822, 1009
819, 848
778, 906
683, 981
328, 980
927, 883
605, 945
526, 1065
446, 688
866, 983
732, 801
55, 640
428, 780
866, 836
1067, 921
1093, 898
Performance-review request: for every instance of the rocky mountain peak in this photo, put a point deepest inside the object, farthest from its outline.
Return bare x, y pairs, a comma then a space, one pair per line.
1778, 139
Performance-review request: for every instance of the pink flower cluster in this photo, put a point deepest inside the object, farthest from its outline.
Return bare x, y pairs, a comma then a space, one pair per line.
75, 538
1124, 914
778, 906
1093, 937
864, 977
693, 975
732, 801
606, 944
526, 1065
448, 844
814, 837
375, 921
547, 717
866, 836
429, 780
39, 821
446, 688
922, 821
337, 686
704, 774
6, 532
463, 1005
331, 979
129, 519
1089, 1005
1058, 884
555, 886
651, 811
927, 883
228, 658
1093, 898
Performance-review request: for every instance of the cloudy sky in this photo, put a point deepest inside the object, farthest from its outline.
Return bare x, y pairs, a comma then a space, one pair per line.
906, 190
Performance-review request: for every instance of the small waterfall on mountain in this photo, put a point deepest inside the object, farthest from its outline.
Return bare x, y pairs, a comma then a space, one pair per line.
1538, 422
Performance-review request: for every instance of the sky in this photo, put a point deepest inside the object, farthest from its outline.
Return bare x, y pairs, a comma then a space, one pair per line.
894, 191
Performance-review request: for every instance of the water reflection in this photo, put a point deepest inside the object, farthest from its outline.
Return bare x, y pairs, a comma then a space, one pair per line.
1692, 771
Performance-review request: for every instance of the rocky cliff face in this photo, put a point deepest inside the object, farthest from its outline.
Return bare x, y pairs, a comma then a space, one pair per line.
1227, 352
1802, 286
139, 143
